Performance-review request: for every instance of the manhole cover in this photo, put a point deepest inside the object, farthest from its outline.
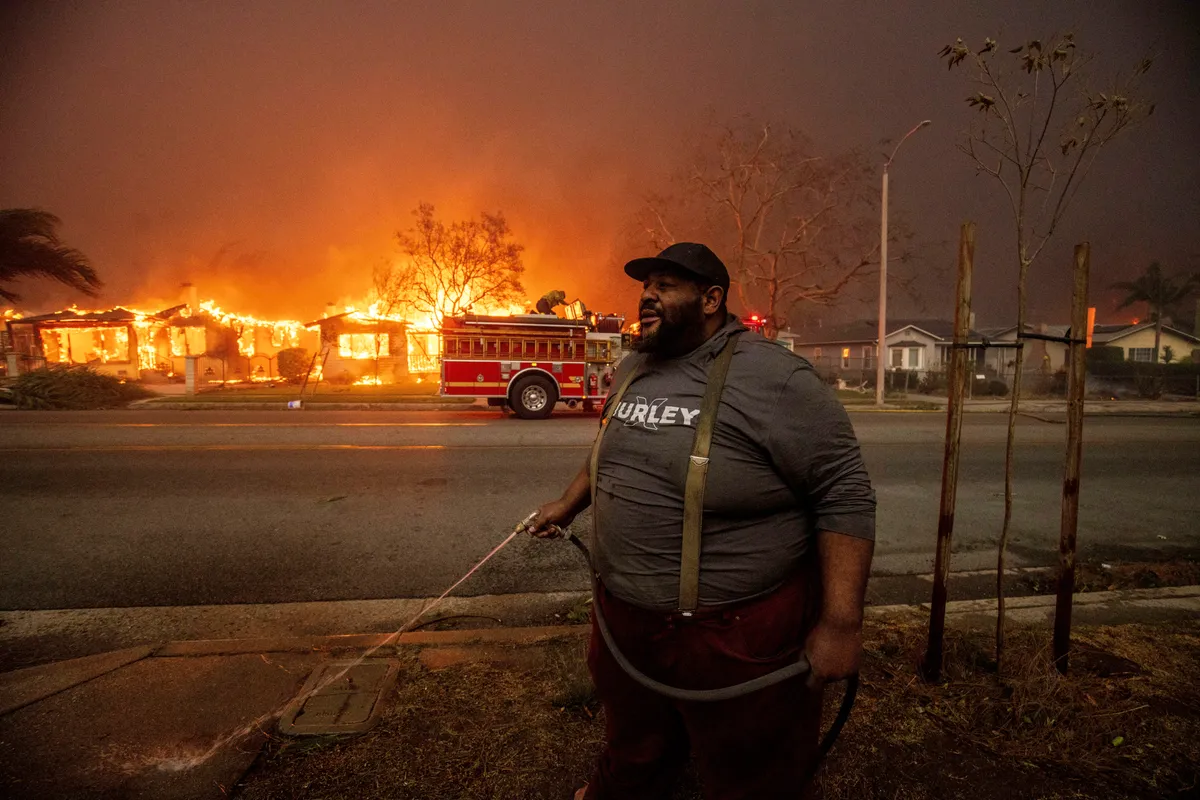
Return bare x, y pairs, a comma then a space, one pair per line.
349, 704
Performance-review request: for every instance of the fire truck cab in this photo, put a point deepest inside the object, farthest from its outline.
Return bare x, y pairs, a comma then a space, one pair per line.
531, 362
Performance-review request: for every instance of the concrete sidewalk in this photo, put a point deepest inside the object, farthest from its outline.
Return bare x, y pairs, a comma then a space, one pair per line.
187, 719
1054, 406
201, 402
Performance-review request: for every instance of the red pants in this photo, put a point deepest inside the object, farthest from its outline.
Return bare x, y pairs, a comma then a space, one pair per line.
756, 746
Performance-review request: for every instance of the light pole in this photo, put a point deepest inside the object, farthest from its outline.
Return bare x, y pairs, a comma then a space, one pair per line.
880, 349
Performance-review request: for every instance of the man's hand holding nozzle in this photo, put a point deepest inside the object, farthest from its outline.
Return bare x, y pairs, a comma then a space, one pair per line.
550, 521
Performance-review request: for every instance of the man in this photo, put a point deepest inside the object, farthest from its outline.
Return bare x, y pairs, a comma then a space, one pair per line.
555, 297
784, 541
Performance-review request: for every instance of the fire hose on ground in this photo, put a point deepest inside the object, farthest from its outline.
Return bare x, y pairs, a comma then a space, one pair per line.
797, 668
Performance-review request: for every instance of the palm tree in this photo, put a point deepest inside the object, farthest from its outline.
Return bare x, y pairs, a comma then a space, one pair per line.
1159, 292
29, 246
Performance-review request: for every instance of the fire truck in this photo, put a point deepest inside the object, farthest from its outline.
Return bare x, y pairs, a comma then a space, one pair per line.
532, 362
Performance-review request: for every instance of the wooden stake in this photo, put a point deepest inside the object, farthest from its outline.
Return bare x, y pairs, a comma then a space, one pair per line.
956, 387
1076, 377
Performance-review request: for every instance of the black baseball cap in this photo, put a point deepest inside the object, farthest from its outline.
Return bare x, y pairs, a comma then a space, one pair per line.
686, 256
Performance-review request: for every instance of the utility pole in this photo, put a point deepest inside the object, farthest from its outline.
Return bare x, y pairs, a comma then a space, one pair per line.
880, 350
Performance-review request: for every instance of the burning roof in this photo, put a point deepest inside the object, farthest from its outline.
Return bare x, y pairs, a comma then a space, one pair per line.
75, 316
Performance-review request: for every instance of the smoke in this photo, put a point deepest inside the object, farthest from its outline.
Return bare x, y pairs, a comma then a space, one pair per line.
268, 152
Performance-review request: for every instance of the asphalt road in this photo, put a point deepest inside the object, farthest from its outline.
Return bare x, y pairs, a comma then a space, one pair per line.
135, 508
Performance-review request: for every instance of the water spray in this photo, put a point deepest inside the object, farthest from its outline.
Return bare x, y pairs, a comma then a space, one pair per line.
181, 764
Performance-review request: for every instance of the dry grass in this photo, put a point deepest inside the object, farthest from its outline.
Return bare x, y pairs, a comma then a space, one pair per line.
1092, 576
1125, 723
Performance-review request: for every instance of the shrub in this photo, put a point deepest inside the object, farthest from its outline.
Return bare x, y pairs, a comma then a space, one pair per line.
292, 364
932, 383
1104, 355
991, 387
73, 388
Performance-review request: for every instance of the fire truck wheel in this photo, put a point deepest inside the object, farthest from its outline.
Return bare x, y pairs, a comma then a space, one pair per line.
533, 397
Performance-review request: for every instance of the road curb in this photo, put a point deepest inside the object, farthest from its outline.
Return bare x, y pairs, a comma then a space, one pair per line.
1045, 601
873, 410
282, 405
24, 687
363, 641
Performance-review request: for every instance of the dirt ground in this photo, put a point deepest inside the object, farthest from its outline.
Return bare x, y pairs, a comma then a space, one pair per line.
1098, 576
523, 723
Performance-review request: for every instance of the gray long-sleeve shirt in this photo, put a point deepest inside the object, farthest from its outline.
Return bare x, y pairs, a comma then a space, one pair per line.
784, 464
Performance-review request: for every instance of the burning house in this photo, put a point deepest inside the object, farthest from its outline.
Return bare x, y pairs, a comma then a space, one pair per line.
358, 347
228, 347
118, 342
154, 346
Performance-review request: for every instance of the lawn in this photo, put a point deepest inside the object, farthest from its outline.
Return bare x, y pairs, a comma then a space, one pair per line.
523, 723
409, 391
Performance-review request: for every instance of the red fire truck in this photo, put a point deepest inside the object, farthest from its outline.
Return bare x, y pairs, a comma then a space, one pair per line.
531, 362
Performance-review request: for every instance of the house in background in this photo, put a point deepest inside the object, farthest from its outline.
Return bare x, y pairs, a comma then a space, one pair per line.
117, 342
143, 346
227, 347
1137, 341
917, 345
1041, 356
357, 347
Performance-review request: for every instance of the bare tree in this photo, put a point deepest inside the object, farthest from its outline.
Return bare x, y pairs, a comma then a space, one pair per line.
454, 268
796, 226
1039, 128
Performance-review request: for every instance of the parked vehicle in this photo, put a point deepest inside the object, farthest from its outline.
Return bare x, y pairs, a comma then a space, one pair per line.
531, 362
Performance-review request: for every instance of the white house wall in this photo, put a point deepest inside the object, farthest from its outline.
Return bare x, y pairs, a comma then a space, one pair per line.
929, 358
1182, 347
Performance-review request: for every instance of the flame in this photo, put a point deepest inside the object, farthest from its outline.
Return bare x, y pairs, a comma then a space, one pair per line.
85, 345
154, 339
283, 332
362, 346
423, 333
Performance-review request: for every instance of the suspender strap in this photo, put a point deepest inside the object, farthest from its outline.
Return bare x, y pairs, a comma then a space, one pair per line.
697, 476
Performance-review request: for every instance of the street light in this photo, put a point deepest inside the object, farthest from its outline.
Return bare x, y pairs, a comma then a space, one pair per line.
880, 350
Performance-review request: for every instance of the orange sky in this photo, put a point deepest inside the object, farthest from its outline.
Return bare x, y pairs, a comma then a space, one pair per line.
295, 138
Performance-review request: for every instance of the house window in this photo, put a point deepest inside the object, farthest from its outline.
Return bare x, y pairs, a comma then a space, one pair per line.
914, 358
1143, 354
362, 345
816, 352
897, 358
845, 358
868, 355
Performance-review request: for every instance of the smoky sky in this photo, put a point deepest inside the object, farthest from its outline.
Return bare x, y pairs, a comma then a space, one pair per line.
269, 151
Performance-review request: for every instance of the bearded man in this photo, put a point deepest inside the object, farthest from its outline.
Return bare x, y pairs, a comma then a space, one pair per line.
705, 588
